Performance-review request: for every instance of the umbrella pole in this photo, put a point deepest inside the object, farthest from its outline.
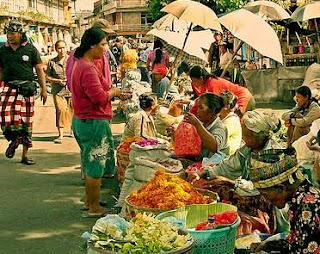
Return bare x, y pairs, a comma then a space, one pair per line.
231, 60
173, 72
317, 29
176, 62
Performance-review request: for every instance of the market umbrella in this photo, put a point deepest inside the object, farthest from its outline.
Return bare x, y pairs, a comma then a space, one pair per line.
194, 12
170, 22
197, 14
308, 11
254, 31
267, 10
192, 51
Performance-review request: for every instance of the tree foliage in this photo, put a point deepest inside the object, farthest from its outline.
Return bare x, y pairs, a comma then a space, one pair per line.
219, 6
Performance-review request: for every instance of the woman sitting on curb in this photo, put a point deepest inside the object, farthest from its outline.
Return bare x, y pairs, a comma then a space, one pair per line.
299, 119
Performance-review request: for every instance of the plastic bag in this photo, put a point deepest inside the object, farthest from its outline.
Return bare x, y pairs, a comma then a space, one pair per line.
187, 140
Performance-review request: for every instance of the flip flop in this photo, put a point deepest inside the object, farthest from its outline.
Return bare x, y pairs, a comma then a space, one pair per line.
86, 208
94, 215
11, 150
98, 215
27, 161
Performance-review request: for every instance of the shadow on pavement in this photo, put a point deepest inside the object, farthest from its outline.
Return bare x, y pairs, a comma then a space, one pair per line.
41, 204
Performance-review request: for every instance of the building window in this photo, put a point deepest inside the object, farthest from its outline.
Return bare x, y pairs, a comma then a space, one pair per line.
146, 19
114, 18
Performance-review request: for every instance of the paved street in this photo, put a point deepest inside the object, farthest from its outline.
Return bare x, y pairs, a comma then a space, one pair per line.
41, 204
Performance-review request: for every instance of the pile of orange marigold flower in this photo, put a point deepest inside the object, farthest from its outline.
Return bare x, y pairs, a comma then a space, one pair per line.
125, 145
166, 191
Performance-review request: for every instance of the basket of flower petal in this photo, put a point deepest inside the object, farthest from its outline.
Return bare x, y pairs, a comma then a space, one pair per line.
123, 151
165, 192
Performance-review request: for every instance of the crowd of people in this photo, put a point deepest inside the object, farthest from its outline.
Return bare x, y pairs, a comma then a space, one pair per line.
256, 173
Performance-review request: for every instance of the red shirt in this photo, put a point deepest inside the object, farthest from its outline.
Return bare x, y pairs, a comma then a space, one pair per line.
218, 85
90, 92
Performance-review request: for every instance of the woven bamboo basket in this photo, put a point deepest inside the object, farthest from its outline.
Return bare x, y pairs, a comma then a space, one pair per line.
122, 164
132, 210
187, 249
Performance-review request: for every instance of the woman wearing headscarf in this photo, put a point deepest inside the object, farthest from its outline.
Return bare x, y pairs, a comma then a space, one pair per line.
260, 151
257, 130
288, 185
299, 119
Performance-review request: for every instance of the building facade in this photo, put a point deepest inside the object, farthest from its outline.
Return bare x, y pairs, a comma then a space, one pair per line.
128, 17
57, 12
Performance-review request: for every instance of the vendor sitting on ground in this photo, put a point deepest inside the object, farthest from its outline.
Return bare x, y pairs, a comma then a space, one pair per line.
299, 119
231, 120
257, 130
203, 82
213, 132
141, 124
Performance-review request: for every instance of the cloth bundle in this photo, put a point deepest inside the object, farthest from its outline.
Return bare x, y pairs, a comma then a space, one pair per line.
132, 81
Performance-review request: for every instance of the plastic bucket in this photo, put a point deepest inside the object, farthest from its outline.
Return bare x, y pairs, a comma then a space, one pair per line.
216, 241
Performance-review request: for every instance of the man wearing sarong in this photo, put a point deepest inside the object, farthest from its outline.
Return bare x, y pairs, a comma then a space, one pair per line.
17, 60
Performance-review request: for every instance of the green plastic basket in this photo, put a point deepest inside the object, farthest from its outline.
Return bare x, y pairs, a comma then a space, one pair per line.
216, 241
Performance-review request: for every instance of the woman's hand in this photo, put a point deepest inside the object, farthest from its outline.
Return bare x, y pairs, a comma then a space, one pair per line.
313, 146
192, 119
287, 123
114, 92
298, 115
218, 181
193, 177
183, 101
62, 82
125, 95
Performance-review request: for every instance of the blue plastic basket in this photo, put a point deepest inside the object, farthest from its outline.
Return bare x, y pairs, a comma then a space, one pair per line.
216, 241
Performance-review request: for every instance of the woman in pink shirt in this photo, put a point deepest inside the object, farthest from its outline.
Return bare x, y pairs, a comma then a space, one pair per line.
157, 58
203, 82
92, 94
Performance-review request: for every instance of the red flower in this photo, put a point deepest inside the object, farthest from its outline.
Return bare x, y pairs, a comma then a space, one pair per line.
291, 237
317, 219
308, 198
290, 215
317, 251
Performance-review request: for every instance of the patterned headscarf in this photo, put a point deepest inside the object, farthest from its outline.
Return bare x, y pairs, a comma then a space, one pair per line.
261, 122
15, 26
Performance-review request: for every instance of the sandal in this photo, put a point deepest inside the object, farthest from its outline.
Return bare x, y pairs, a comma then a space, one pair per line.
27, 161
108, 176
11, 150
